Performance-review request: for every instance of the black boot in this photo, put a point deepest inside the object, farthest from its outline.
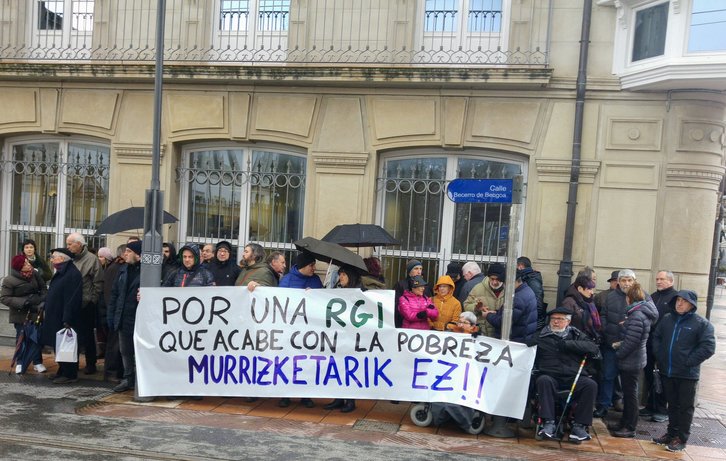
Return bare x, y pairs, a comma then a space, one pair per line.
335, 404
348, 407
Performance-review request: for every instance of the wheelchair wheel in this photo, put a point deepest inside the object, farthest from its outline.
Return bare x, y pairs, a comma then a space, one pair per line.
421, 414
477, 424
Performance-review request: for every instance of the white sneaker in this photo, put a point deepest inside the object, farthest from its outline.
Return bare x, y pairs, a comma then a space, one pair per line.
40, 368
18, 369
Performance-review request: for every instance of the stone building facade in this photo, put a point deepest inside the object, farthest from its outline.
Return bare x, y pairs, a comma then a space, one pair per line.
274, 149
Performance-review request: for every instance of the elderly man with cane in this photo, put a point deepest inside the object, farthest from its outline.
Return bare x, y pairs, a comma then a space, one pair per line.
562, 353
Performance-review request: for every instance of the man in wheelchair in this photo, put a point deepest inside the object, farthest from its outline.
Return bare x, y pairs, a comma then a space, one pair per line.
562, 351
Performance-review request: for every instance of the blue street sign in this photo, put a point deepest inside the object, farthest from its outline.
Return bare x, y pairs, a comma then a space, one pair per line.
480, 191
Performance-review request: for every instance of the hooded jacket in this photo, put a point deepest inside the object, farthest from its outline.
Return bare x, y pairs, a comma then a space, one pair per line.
638, 319
410, 304
448, 306
493, 300
295, 279
524, 316
682, 342
170, 264
196, 276
225, 273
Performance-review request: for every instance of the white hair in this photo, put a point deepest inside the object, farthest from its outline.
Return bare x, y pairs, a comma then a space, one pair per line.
76, 237
471, 267
468, 316
626, 273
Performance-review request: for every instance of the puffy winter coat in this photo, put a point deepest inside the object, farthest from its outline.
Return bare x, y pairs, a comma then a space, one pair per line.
533, 279
613, 312
493, 300
524, 316
196, 276
294, 279
410, 305
122, 306
16, 290
448, 306
401, 287
632, 353
63, 303
682, 343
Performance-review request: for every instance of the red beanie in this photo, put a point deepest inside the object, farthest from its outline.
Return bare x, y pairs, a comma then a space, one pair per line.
17, 262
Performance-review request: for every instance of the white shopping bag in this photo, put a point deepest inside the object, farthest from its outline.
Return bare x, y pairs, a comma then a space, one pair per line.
66, 345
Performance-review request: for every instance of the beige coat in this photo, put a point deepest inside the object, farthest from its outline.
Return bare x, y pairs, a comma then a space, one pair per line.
484, 293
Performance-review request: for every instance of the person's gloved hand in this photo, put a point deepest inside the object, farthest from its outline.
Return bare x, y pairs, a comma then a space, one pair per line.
421, 315
430, 306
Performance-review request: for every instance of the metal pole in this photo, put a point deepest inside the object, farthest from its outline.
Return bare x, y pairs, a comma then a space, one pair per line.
151, 250
565, 271
512, 245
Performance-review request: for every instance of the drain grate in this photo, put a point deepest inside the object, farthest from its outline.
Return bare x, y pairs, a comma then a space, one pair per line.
376, 426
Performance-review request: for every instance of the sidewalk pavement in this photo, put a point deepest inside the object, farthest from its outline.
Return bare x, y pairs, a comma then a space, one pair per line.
382, 422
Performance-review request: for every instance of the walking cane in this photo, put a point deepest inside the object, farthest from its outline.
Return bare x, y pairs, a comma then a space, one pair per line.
569, 396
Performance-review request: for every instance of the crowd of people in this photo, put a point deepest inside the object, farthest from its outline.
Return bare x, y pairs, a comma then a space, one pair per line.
596, 346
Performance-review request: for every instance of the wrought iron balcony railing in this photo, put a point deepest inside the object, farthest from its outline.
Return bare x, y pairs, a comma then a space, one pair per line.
244, 32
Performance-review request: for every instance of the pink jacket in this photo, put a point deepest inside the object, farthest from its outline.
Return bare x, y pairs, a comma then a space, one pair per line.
409, 305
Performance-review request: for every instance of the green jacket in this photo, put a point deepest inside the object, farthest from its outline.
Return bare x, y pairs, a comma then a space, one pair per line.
484, 292
259, 272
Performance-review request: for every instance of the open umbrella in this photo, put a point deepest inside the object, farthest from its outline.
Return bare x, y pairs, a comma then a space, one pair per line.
128, 219
331, 252
360, 235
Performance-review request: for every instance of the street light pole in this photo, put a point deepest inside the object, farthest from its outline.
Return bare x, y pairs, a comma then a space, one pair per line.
151, 250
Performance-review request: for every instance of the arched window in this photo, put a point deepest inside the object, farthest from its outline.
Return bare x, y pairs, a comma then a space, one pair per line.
414, 207
54, 187
242, 194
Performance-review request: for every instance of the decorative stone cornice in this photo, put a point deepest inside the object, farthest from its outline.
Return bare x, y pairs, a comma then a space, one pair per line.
558, 170
132, 152
340, 163
689, 176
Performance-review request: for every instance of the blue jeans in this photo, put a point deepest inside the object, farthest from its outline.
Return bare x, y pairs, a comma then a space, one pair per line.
608, 375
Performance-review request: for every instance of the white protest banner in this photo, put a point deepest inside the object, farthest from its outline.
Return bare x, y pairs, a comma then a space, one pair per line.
340, 343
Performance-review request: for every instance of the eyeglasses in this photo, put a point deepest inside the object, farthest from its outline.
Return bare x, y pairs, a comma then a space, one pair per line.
558, 319
223, 250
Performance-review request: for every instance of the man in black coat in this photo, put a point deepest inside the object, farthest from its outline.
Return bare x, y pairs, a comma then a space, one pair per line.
122, 311
63, 305
682, 341
561, 348
224, 269
655, 402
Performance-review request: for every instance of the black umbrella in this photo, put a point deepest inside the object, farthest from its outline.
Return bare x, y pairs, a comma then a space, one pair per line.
331, 252
360, 235
128, 219
27, 346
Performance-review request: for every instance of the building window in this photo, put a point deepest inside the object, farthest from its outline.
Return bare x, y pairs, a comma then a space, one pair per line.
708, 26
481, 15
650, 32
414, 208
252, 26
243, 194
63, 28
56, 187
